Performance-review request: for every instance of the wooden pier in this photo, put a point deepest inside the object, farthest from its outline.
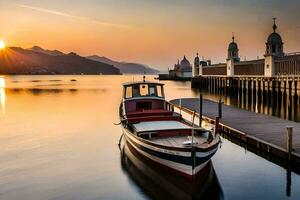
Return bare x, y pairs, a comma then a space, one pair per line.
233, 84
266, 133
268, 95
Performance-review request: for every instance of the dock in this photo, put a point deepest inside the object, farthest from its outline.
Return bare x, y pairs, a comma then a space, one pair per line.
167, 77
269, 85
266, 133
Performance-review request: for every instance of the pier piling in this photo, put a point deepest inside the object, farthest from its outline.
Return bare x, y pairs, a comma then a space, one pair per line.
200, 110
220, 108
289, 141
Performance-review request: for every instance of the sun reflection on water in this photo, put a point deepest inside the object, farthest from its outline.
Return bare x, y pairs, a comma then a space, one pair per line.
2, 94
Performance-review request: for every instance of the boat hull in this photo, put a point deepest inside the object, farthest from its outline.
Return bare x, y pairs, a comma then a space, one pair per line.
148, 175
187, 162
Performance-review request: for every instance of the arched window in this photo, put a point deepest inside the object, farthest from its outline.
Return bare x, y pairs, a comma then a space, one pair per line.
273, 48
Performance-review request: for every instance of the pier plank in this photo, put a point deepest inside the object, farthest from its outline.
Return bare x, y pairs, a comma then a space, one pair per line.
264, 127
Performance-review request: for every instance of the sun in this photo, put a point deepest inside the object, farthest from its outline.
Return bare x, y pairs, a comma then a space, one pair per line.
2, 44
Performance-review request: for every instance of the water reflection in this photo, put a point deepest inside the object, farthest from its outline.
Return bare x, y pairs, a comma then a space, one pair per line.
288, 180
2, 94
158, 184
40, 91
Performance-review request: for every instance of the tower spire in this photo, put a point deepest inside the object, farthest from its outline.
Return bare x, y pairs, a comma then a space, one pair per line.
233, 37
274, 25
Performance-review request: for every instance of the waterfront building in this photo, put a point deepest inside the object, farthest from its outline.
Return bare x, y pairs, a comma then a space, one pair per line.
275, 62
198, 63
182, 69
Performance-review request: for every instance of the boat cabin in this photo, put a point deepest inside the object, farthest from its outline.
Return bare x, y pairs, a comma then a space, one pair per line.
144, 101
143, 90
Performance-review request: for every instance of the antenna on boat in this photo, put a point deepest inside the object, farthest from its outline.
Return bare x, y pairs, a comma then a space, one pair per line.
144, 77
193, 129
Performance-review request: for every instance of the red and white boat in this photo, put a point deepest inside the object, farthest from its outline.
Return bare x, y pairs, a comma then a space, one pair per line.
159, 134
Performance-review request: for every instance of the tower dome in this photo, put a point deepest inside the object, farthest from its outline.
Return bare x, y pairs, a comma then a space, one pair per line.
233, 50
274, 38
233, 45
185, 64
274, 44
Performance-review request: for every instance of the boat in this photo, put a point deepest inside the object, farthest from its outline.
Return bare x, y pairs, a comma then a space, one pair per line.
158, 133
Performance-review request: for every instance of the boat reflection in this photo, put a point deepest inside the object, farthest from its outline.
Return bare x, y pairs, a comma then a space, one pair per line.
160, 184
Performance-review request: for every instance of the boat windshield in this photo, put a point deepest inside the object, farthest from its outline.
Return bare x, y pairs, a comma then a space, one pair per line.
143, 90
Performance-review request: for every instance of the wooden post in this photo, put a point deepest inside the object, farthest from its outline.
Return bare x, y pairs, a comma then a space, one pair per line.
278, 96
290, 87
259, 85
217, 125
200, 110
254, 95
214, 84
218, 84
220, 108
295, 87
263, 86
289, 141
268, 87
207, 84
240, 86
225, 85
180, 106
193, 130
284, 86
273, 89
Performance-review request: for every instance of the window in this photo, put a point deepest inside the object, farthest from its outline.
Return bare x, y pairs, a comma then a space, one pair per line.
160, 91
273, 49
152, 90
128, 92
136, 91
144, 90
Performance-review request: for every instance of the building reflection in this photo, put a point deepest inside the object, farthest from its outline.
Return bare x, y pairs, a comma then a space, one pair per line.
161, 184
2, 95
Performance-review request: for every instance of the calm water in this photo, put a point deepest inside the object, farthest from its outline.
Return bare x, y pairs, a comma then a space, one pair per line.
58, 141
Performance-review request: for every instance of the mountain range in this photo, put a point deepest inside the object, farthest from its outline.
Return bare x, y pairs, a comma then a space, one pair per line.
125, 67
36, 60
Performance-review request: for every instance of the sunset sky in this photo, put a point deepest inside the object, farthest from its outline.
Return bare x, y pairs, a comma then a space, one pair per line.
153, 32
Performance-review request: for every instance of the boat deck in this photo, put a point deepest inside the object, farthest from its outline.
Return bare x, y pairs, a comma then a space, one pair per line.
177, 141
160, 125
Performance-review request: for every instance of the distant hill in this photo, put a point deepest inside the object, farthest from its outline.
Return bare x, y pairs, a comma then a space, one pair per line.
46, 51
15, 60
125, 67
